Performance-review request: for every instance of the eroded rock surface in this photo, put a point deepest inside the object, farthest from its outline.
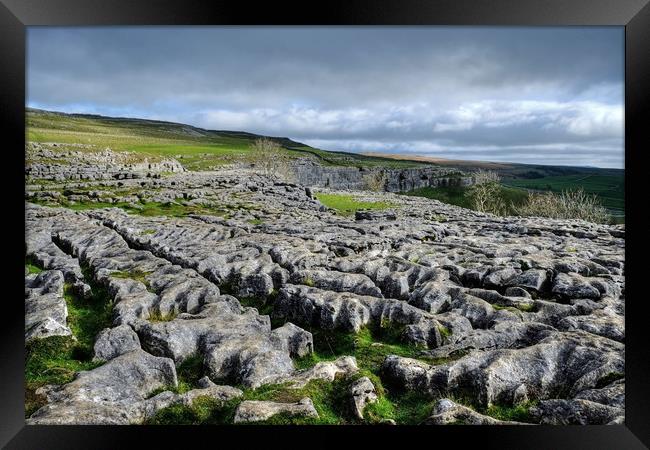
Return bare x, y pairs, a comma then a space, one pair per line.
449, 412
112, 394
45, 308
257, 411
362, 393
239, 271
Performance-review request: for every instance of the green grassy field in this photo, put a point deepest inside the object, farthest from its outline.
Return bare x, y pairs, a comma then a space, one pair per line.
347, 205
333, 158
195, 148
610, 189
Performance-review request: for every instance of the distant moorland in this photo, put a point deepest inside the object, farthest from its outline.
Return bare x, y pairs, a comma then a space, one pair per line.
199, 149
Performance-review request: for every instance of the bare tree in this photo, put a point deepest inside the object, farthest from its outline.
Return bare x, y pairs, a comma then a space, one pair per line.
375, 181
485, 194
269, 158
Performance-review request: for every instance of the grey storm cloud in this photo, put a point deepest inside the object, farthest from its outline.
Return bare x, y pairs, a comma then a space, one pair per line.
544, 95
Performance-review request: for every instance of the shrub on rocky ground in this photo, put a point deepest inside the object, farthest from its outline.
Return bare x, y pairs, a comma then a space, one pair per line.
485, 194
567, 205
271, 159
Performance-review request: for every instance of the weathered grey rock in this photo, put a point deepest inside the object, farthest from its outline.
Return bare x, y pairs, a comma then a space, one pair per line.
113, 342
598, 322
455, 324
396, 285
479, 312
432, 297
343, 366
573, 286
574, 412
89, 165
375, 215
362, 392
533, 279
571, 362
40, 247
220, 393
611, 395
349, 312
336, 281
494, 298
309, 173
499, 277
293, 339
246, 361
552, 313
205, 382
514, 291
474, 277
503, 335
113, 393
238, 348
46, 310
448, 412
537, 303
234, 345
257, 411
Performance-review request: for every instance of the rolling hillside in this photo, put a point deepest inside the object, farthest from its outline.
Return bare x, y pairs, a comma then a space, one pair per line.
196, 148
200, 149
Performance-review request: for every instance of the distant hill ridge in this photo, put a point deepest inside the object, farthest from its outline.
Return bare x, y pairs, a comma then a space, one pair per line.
180, 130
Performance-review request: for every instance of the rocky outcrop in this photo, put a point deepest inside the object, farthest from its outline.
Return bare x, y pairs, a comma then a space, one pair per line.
362, 392
561, 364
576, 412
341, 367
46, 311
112, 394
58, 162
113, 342
176, 313
349, 312
240, 275
257, 411
310, 173
448, 412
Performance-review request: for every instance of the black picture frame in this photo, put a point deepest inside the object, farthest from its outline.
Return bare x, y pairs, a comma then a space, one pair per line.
634, 15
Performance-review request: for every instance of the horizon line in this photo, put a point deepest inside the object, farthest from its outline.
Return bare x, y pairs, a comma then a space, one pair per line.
419, 154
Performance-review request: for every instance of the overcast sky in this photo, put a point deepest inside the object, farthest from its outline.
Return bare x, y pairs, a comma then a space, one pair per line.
530, 95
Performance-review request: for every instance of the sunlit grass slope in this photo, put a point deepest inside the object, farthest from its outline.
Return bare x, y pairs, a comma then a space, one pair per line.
195, 148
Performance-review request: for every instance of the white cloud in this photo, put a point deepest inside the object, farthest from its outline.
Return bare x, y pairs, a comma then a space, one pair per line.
493, 92
584, 118
596, 120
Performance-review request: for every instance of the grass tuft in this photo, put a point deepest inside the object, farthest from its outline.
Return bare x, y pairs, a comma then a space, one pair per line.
136, 275
87, 317
53, 360
264, 306
347, 205
157, 316
32, 265
518, 413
